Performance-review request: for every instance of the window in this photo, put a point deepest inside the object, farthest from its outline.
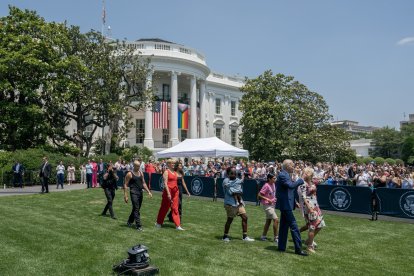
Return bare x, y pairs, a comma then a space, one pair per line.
183, 134
140, 130
162, 47
165, 92
218, 106
233, 108
165, 136
233, 137
218, 133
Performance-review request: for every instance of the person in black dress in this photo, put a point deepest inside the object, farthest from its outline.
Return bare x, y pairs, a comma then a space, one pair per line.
109, 185
136, 182
181, 185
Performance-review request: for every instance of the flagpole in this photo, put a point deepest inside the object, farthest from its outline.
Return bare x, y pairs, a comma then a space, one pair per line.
103, 18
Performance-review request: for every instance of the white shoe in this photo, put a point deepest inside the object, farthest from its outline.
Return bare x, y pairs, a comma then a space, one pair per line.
226, 239
263, 238
276, 240
157, 225
179, 228
247, 239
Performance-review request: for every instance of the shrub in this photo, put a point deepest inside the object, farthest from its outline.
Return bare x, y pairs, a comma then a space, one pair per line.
367, 160
360, 161
379, 160
399, 162
390, 161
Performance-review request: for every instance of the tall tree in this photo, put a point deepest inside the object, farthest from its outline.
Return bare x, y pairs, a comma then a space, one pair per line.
282, 118
387, 143
94, 84
27, 58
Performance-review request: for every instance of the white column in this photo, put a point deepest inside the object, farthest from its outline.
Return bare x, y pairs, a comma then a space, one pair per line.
203, 127
148, 140
174, 110
193, 108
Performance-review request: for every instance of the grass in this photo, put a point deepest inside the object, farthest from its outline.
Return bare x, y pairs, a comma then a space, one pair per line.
63, 234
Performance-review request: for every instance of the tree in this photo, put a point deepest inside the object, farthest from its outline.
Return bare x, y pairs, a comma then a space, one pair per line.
27, 58
283, 119
95, 82
387, 143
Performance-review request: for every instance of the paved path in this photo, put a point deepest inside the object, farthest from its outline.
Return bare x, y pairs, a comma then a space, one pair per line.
37, 189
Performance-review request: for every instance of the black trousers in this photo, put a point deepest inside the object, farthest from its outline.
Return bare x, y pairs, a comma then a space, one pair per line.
287, 220
180, 204
89, 180
18, 179
110, 195
136, 201
45, 184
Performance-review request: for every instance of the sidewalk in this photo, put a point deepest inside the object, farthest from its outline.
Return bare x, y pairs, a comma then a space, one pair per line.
37, 189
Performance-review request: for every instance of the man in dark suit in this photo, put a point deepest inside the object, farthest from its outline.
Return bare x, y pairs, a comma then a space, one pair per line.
18, 172
285, 193
45, 171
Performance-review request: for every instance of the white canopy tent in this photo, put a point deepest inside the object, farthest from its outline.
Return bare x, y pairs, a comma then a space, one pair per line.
203, 147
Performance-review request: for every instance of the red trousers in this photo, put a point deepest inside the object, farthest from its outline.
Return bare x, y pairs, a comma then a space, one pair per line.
166, 205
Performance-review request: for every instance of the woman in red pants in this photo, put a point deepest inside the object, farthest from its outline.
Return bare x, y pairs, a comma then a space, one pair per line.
169, 197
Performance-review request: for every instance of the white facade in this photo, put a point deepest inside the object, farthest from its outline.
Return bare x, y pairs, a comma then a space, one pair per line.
181, 75
361, 147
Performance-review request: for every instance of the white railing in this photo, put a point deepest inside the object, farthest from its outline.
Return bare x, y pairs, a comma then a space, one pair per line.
175, 49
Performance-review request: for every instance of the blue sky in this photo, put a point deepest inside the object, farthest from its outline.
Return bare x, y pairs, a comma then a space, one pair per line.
358, 54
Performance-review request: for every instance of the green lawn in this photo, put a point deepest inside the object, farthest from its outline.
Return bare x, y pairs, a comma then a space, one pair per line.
63, 234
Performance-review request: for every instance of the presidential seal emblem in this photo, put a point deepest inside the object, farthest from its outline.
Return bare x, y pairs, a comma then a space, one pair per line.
196, 186
407, 203
340, 199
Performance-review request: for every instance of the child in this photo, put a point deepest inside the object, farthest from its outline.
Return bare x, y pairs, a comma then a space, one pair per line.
268, 199
237, 191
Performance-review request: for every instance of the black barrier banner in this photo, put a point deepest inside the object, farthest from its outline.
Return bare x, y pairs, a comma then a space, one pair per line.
396, 202
219, 188
200, 185
121, 178
345, 198
157, 182
250, 190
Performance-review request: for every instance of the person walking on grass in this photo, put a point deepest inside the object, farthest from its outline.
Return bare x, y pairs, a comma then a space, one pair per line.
109, 184
232, 207
311, 211
136, 183
178, 168
285, 189
267, 197
170, 197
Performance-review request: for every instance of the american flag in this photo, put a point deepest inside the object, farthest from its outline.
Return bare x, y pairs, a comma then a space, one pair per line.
160, 115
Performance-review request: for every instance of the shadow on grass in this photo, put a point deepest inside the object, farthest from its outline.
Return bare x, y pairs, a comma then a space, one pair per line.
274, 249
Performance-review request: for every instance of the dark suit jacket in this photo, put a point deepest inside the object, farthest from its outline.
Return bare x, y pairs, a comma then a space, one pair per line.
47, 171
21, 168
285, 191
105, 166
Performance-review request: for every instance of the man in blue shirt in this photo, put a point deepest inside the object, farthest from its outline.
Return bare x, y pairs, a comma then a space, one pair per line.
232, 207
285, 193
89, 168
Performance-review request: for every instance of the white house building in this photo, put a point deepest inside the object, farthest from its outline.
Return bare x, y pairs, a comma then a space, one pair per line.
193, 101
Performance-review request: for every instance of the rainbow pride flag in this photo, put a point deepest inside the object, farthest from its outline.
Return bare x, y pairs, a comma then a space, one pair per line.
183, 116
